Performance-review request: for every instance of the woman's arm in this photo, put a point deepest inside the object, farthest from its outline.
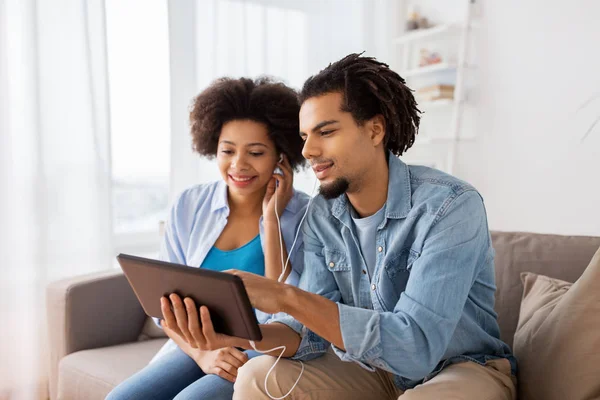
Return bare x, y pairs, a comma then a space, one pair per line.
273, 249
278, 194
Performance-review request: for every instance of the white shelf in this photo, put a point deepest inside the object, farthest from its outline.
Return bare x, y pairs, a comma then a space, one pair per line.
429, 33
429, 69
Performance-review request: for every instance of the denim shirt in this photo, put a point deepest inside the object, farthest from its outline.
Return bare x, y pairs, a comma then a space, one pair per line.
197, 219
431, 300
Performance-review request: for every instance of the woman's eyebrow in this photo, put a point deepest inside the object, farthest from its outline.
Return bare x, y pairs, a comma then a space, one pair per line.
247, 145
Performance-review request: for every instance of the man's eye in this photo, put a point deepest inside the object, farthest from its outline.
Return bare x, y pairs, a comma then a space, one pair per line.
325, 133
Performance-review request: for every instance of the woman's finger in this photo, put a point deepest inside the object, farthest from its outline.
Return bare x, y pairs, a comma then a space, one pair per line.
181, 316
194, 323
281, 181
239, 356
168, 316
225, 366
208, 329
288, 173
223, 374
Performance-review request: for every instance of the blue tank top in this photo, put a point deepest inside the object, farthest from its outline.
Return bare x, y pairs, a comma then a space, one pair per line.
248, 258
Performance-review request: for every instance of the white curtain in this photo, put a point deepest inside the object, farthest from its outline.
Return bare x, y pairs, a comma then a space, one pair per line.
55, 218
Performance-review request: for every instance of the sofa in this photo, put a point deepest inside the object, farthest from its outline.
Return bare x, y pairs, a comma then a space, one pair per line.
95, 321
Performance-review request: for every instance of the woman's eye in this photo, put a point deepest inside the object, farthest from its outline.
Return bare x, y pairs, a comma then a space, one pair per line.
226, 151
256, 154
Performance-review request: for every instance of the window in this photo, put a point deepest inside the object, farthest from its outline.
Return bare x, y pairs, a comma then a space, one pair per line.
254, 39
138, 66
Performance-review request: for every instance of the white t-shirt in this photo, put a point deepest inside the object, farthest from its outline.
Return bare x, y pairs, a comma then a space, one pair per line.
366, 228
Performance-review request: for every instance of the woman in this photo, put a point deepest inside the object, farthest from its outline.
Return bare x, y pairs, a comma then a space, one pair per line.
233, 223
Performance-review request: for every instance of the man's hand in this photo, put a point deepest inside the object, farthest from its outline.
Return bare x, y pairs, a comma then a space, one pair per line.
264, 294
199, 333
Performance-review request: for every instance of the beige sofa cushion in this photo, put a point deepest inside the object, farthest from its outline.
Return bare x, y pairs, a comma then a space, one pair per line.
557, 342
92, 374
151, 331
562, 257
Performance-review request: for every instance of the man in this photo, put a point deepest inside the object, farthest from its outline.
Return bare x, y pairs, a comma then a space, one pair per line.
398, 275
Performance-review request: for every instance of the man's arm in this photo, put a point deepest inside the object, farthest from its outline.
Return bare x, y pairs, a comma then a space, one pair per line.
412, 339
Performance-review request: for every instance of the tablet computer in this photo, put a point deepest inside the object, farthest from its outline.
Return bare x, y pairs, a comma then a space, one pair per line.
224, 294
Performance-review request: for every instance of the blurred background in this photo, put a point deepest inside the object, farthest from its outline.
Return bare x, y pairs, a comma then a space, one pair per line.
94, 138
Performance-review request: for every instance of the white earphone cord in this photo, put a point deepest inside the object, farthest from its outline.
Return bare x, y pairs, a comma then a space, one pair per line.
284, 268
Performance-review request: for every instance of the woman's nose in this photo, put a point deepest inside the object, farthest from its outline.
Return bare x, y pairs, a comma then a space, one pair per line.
239, 161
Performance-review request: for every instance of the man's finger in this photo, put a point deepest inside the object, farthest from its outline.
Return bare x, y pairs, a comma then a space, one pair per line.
233, 272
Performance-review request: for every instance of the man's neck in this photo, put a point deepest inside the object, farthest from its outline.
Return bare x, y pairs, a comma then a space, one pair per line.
373, 191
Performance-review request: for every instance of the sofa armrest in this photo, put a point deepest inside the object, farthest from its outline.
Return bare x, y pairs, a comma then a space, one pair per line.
87, 312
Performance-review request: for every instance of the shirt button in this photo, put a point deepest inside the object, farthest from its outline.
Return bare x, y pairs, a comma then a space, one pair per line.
373, 287
364, 272
331, 264
380, 249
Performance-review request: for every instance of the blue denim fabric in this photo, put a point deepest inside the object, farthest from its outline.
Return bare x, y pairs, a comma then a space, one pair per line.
174, 376
431, 300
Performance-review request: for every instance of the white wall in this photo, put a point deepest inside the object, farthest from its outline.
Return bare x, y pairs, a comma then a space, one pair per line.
538, 62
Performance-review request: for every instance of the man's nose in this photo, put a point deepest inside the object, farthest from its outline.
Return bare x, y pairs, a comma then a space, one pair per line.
311, 147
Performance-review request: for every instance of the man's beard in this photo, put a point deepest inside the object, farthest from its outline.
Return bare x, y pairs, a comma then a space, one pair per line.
334, 189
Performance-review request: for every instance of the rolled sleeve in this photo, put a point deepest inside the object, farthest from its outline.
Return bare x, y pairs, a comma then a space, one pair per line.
359, 346
311, 345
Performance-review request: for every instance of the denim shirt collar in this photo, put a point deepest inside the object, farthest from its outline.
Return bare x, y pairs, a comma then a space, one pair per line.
219, 200
398, 201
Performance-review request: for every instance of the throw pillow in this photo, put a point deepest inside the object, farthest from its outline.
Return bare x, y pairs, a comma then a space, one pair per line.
557, 341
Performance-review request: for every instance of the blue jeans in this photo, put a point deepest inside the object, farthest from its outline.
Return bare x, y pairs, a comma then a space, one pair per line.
174, 376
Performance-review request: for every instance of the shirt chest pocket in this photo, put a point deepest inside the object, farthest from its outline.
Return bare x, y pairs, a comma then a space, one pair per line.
336, 260
397, 272
400, 262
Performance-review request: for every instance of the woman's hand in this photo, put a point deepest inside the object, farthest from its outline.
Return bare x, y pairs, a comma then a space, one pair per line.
280, 190
193, 327
222, 362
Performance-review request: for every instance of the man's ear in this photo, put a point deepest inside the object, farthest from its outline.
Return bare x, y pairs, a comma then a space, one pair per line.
377, 129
